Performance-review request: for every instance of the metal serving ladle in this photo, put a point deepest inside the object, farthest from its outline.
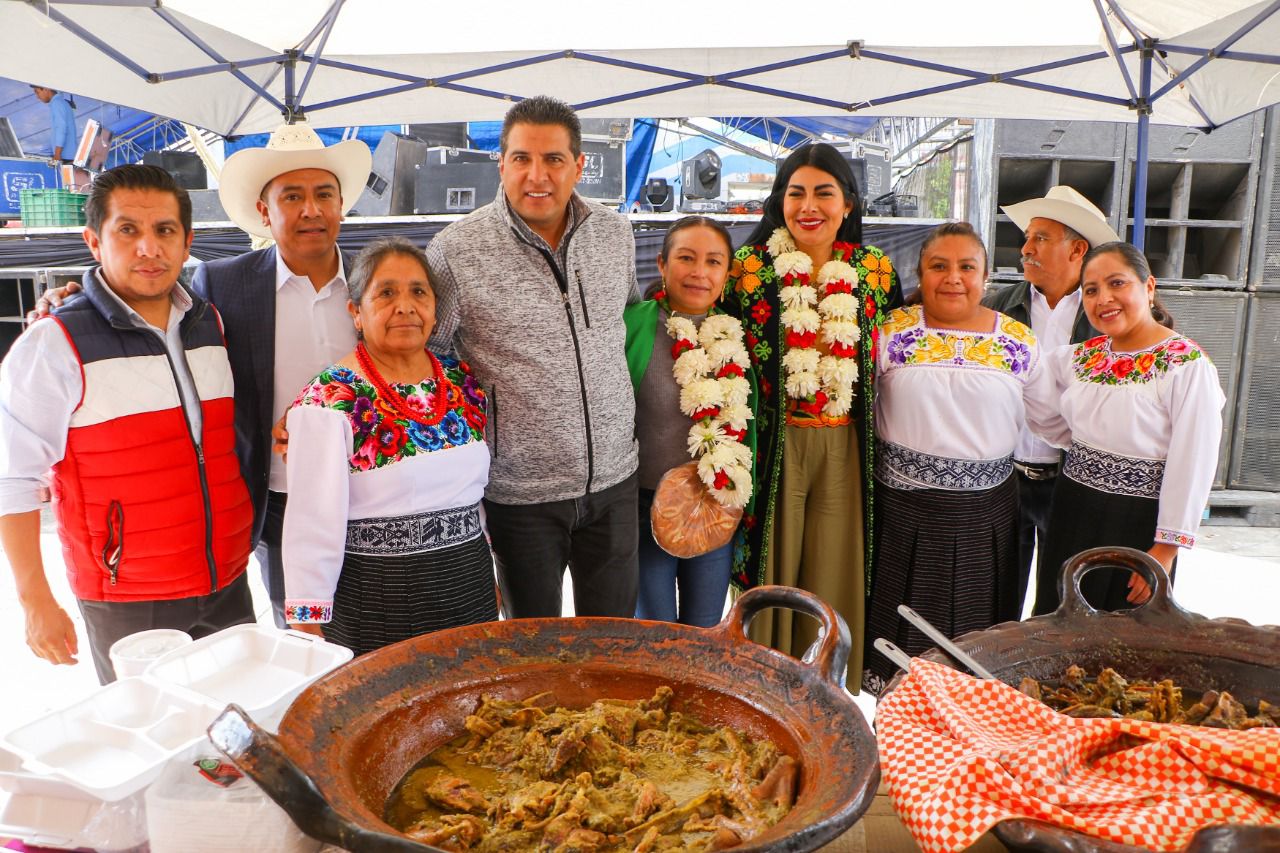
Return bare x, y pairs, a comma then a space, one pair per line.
903, 660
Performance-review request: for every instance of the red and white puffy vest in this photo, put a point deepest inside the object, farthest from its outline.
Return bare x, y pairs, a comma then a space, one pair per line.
143, 513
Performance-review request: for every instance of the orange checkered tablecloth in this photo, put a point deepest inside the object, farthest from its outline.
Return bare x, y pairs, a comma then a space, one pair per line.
961, 754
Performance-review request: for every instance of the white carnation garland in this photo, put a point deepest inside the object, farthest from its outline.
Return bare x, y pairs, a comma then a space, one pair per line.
826, 309
710, 368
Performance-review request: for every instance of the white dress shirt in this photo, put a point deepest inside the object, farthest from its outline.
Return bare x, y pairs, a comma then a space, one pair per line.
1053, 330
41, 386
313, 331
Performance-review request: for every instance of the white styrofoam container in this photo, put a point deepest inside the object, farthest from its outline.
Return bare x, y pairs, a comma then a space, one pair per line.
18, 781
258, 667
45, 821
41, 811
114, 742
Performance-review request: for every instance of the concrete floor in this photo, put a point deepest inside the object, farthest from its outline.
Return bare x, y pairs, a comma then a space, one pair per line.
1232, 571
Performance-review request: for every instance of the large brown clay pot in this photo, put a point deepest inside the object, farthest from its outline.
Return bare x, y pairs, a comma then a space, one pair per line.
350, 737
1154, 641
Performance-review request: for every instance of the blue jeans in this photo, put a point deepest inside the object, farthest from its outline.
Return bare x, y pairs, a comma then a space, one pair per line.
703, 581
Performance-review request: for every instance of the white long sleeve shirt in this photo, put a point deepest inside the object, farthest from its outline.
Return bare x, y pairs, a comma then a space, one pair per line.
1163, 403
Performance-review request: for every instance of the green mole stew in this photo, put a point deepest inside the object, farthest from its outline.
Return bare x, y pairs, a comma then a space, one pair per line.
619, 775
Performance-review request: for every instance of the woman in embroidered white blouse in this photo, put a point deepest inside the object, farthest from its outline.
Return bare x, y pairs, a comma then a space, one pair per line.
387, 464
1141, 418
957, 382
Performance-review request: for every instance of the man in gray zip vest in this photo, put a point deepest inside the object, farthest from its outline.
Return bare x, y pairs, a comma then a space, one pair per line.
1059, 229
530, 290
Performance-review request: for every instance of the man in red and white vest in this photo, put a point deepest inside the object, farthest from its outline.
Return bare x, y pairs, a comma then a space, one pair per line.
125, 392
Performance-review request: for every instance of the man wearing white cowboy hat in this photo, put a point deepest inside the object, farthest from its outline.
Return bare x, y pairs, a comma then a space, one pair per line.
284, 307
1059, 229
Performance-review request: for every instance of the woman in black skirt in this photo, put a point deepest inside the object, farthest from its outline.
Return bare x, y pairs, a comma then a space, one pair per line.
1141, 419
957, 382
387, 464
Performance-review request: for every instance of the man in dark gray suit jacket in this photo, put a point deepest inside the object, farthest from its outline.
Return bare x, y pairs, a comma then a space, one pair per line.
1060, 228
284, 308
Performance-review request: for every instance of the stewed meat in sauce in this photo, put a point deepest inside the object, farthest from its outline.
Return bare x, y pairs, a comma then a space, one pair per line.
618, 775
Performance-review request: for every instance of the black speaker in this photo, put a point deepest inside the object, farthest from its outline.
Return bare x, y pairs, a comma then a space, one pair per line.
392, 177
452, 134
700, 175
187, 168
858, 165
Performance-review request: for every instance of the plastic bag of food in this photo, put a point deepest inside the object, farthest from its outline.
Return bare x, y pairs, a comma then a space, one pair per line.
687, 521
202, 802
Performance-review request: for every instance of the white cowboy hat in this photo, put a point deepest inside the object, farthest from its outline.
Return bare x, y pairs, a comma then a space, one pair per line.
292, 146
1065, 205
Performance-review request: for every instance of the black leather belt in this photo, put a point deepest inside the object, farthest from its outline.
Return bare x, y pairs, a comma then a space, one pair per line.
1037, 470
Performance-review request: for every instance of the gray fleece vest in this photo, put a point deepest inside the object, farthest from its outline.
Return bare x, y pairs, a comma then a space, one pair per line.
547, 344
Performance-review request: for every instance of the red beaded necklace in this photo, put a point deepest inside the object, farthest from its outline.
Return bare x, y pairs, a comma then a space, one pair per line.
392, 397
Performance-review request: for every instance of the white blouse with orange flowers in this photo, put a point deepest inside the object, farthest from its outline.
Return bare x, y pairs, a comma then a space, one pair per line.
1144, 423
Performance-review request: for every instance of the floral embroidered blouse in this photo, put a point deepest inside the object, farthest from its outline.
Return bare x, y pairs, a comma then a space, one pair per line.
957, 394
351, 458
1162, 403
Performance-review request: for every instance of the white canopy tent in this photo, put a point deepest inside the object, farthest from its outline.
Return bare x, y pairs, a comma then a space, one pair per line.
238, 66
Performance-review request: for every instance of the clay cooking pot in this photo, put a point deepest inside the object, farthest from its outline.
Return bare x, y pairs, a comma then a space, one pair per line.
350, 737
1153, 641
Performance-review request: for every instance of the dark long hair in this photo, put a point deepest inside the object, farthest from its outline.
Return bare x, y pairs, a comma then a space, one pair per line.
1132, 258
820, 156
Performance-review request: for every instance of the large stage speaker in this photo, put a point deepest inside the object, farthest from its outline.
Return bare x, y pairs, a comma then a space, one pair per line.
186, 167
206, 206
1255, 450
451, 134
1216, 320
858, 165
392, 178
604, 172
455, 180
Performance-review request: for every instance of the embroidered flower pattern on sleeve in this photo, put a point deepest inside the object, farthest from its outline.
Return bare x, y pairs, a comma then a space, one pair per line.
379, 436
308, 611
1172, 537
1094, 361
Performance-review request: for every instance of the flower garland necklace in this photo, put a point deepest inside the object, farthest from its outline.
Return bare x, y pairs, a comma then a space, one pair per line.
710, 368
392, 397
819, 383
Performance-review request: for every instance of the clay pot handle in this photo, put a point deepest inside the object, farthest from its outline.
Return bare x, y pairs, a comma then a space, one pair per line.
261, 757
832, 656
1073, 570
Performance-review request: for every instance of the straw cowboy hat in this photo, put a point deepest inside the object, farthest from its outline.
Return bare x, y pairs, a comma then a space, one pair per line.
1065, 205
291, 147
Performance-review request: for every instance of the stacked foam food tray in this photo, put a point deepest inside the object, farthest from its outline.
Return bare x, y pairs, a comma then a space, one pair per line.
52, 813
115, 742
259, 668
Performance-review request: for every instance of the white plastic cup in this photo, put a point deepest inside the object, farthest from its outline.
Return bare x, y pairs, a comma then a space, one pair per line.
132, 655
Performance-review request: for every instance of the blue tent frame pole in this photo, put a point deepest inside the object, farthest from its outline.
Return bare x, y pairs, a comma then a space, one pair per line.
1140, 155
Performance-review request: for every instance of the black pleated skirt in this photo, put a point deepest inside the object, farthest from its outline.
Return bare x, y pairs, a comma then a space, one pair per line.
1082, 518
951, 556
384, 599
